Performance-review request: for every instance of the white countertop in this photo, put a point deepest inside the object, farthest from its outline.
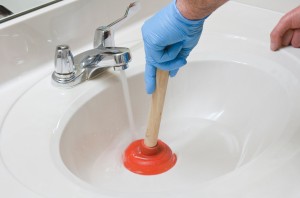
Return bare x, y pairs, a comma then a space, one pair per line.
275, 5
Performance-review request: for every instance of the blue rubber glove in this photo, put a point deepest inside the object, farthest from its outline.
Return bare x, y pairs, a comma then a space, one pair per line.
168, 40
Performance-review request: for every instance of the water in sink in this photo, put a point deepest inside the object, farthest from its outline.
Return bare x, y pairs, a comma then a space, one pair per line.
208, 151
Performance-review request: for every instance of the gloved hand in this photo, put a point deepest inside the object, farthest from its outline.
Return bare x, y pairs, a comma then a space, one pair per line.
168, 40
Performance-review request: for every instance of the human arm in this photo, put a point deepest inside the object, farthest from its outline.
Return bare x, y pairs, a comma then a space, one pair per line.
287, 31
198, 9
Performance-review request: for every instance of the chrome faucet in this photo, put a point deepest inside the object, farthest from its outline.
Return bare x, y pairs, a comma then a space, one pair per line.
72, 70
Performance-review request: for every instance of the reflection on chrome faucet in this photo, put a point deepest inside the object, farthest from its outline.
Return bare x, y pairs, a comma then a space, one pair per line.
71, 70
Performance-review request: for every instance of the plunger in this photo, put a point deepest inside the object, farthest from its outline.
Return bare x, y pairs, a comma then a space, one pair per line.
151, 156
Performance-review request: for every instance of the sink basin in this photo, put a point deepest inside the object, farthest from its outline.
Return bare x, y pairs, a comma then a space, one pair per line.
219, 116
231, 116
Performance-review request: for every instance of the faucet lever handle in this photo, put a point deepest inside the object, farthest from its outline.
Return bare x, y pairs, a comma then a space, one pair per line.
104, 36
131, 10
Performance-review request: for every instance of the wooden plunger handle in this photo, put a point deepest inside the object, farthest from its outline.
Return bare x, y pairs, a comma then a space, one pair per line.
157, 104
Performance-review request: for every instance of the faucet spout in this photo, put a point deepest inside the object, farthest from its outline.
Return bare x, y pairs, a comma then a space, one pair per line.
102, 58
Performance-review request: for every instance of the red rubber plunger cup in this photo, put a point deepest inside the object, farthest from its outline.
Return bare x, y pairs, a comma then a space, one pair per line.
152, 156
145, 160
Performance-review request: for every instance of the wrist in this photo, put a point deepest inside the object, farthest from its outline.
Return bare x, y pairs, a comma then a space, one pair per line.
190, 10
184, 20
197, 9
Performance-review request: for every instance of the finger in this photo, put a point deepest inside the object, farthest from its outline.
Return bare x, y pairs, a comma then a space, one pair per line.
150, 78
170, 52
173, 72
172, 65
296, 39
280, 29
287, 38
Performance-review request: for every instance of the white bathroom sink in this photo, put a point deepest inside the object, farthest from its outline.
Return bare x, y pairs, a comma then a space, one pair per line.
231, 116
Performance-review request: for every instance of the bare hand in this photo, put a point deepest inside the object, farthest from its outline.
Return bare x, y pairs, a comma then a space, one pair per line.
287, 31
